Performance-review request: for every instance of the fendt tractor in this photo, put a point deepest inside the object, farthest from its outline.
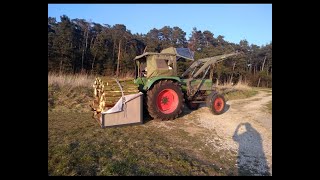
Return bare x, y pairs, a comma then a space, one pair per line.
161, 90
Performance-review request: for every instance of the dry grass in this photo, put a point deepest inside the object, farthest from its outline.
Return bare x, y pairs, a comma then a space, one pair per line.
240, 90
240, 86
68, 92
126, 76
269, 107
72, 80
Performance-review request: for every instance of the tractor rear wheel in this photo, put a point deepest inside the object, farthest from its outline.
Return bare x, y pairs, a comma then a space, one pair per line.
216, 103
165, 100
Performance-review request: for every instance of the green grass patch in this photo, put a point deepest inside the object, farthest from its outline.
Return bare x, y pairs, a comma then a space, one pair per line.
240, 94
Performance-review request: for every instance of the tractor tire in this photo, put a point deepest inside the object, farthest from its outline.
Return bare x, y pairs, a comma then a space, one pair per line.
216, 103
165, 100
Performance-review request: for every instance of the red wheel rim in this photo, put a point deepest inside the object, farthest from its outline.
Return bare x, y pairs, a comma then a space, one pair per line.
167, 101
218, 104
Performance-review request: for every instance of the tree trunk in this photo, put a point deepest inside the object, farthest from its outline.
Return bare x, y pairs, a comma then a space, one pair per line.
265, 57
93, 62
264, 61
91, 42
249, 68
82, 57
113, 49
217, 82
145, 49
118, 59
60, 69
73, 60
86, 44
234, 65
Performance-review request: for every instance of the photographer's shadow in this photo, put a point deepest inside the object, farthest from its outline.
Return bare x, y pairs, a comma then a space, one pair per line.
251, 158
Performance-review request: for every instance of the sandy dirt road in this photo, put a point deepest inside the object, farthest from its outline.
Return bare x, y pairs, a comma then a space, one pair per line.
245, 128
243, 132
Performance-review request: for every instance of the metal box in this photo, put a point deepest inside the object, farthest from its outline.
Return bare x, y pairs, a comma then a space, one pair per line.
130, 113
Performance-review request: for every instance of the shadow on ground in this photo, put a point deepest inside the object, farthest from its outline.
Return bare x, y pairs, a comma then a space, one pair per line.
251, 158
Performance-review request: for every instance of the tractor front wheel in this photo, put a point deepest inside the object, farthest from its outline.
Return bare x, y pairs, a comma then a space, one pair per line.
216, 103
165, 100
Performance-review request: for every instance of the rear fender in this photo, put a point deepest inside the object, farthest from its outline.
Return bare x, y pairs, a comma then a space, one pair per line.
154, 80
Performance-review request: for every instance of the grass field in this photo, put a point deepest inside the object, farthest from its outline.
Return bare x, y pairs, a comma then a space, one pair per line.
77, 145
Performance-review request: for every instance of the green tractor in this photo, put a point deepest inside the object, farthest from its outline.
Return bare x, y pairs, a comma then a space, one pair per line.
165, 92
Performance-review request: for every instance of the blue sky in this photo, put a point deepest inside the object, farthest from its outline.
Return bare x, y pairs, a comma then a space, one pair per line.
235, 22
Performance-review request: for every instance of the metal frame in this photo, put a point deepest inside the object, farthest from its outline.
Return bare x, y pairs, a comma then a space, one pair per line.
206, 64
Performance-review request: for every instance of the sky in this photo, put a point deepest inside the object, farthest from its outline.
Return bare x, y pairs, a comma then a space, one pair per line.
235, 22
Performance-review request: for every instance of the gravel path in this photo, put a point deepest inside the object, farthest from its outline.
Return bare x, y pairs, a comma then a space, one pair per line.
245, 128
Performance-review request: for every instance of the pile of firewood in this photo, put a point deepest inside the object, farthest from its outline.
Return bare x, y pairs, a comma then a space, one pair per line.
99, 103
